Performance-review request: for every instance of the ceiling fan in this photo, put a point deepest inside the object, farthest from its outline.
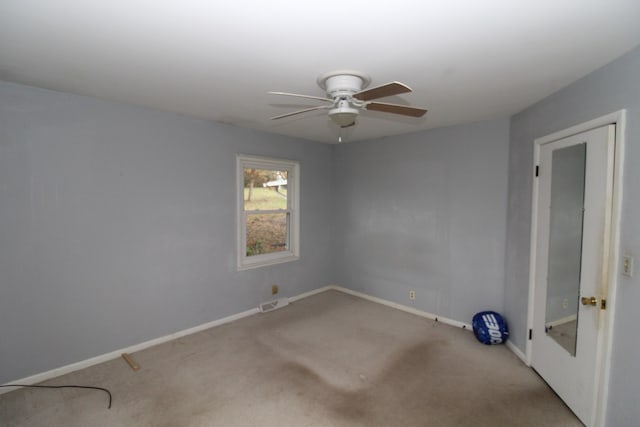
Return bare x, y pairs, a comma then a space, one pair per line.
346, 96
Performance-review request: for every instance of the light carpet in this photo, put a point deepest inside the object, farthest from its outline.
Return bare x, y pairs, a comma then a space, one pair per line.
328, 360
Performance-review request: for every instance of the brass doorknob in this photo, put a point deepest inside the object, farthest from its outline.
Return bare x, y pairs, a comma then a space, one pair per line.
589, 301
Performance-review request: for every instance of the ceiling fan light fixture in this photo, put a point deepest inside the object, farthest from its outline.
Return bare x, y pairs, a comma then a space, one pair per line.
347, 94
344, 114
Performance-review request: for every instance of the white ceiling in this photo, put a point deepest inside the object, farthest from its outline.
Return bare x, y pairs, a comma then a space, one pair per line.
466, 60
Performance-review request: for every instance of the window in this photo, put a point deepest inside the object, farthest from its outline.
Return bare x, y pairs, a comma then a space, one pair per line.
268, 211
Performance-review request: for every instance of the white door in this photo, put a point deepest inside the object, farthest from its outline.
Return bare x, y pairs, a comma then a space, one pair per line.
572, 243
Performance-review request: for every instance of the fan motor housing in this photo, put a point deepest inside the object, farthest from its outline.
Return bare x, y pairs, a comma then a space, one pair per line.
343, 83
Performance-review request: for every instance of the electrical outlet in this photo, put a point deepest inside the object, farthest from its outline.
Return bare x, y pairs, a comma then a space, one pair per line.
274, 289
627, 265
565, 303
412, 295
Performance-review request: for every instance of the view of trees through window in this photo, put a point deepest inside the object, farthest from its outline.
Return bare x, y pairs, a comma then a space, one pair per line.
266, 210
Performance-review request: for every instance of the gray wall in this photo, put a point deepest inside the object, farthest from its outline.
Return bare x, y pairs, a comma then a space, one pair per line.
117, 225
609, 89
425, 212
116, 222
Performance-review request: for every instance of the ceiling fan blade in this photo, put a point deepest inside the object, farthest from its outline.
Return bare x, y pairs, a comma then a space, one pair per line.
389, 89
301, 96
282, 116
396, 109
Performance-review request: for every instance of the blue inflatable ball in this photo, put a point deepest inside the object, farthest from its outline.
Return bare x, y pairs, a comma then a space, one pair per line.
490, 328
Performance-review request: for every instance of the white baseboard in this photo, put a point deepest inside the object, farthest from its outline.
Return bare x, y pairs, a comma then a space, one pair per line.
421, 313
43, 376
511, 346
310, 293
402, 307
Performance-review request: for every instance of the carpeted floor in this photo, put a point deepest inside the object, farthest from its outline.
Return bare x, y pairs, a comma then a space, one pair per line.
328, 360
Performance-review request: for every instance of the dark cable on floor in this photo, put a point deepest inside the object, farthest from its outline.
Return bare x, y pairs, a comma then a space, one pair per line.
63, 386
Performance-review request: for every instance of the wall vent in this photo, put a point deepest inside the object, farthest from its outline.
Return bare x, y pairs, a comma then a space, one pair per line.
273, 305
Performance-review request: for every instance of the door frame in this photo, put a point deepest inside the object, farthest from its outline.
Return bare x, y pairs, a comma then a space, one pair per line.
605, 337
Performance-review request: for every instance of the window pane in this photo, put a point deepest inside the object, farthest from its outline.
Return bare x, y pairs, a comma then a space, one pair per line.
268, 211
265, 189
266, 233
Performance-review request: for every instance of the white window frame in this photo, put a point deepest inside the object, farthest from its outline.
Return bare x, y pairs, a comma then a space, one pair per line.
293, 210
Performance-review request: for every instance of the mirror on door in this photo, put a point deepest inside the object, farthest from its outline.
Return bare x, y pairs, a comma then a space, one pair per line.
565, 244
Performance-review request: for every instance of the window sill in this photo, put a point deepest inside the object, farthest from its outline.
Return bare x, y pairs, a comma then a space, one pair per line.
266, 261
